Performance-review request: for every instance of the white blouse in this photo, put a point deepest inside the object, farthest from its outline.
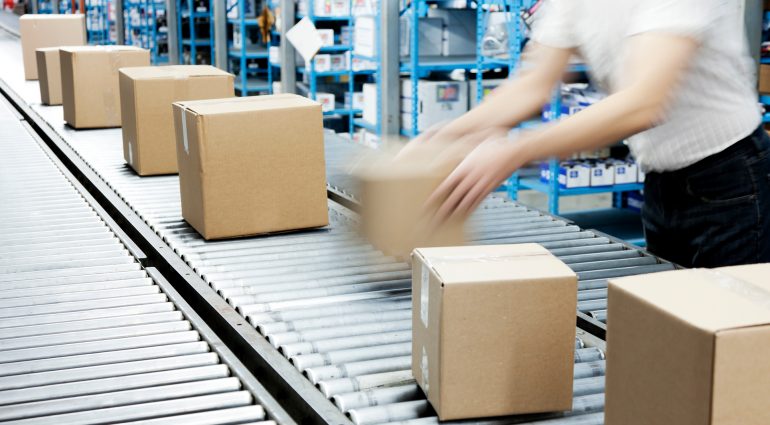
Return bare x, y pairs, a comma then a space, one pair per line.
715, 104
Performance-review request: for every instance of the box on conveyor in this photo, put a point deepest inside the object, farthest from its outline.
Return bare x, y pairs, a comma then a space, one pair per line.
493, 330
689, 347
90, 89
394, 190
251, 165
48, 31
49, 74
146, 95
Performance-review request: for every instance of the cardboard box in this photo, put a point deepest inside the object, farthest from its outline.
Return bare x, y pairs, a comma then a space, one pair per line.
487, 86
327, 37
459, 31
625, 172
322, 63
370, 103
49, 74
146, 95
602, 174
394, 217
339, 62
690, 347
572, 175
430, 35
242, 173
764, 79
326, 100
437, 101
48, 31
90, 88
493, 330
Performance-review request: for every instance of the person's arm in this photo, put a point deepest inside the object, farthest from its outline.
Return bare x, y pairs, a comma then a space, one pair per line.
518, 99
655, 65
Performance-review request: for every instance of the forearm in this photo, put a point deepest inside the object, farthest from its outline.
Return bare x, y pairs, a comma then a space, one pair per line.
510, 104
614, 118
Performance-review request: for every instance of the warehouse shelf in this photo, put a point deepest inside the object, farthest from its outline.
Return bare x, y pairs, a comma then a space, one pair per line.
144, 27
534, 183
249, 22
253, 85
250, 52
248, 61
196, 21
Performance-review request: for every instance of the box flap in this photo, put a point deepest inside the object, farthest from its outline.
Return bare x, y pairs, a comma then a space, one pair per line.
99, 49
493, 263
244, 104
173, 71
711, 300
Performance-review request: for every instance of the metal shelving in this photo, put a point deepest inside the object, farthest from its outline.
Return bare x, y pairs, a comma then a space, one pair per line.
194, 15
254, 74
144, 28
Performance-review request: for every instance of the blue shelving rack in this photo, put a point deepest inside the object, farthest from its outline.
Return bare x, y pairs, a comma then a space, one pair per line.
195, 16
100, 26
259, 77
142, 29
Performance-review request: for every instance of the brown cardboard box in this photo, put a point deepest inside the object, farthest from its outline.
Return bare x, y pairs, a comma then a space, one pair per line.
49, 74
394, 215
493, 330
251, 165
146, 95
48, 31
90, 90
764, 78
689, 347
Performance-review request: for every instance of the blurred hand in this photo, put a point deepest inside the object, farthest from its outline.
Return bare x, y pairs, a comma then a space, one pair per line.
483, 170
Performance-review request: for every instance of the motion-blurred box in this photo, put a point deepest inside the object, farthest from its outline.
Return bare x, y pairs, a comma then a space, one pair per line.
689, 347
251, 165
49, 75
146, 95
493, 330
90, 88
48, 31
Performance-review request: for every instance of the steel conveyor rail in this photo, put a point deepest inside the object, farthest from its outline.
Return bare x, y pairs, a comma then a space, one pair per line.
87, 335
326, 313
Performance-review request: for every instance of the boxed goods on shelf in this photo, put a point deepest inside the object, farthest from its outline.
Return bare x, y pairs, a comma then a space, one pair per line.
602, 173
700, 354
430, 31
524, 299
573, 175
625, 172
146, 95
49, 74
487, 86
48, 31
90, 87
437, 101
326, 100
241, 173
459, 31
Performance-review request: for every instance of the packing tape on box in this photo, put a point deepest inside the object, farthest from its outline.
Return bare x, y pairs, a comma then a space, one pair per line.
185, 142
424, 371
746, 290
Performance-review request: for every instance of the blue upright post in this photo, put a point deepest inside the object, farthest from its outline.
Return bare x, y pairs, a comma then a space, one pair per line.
415, 62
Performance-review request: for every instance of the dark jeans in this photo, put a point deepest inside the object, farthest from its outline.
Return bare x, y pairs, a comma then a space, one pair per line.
715, 212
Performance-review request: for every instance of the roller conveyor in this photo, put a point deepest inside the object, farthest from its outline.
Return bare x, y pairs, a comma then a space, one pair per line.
87, 335
334, 307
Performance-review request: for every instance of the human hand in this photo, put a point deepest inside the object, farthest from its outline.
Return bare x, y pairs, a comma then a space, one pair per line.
484, 169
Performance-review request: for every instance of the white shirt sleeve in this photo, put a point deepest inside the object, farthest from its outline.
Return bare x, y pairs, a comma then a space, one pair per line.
554, 26
689, 18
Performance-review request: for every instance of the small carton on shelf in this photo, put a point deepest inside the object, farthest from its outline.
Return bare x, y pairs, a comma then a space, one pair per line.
430, 32
437, 101
354, 100
459, 31
241, 173
625, 172
602, 173
700, 354
48, 31
326, 100
338, 62
327, 37
364, 36
487, 85
146, 95
493, 330
322, 63
394, 217
325, 8
370, 103
545, 172
573, 175
90, 84
49, 74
